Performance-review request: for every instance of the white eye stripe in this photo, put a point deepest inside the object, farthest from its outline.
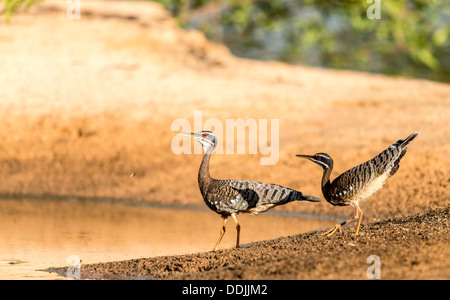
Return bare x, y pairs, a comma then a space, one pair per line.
321, 163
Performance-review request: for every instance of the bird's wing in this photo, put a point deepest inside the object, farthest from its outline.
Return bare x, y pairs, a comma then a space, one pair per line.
231, 196
258, 193
224, 198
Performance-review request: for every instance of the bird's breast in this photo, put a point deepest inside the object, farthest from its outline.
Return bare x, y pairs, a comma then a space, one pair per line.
371, 187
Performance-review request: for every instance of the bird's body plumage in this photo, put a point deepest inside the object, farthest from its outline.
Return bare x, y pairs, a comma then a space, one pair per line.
242, 196
226, 197
358, 183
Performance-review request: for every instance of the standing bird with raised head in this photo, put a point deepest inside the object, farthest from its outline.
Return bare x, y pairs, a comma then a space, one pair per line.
230, 197
359, 183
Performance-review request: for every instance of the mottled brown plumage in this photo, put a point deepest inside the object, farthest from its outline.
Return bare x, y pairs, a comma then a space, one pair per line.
230, 197
359, 183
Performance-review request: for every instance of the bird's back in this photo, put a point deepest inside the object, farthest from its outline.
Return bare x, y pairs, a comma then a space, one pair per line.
232, 196
358, 183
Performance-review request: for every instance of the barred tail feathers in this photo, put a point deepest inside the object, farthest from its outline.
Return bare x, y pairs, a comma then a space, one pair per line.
298, 196
406, 141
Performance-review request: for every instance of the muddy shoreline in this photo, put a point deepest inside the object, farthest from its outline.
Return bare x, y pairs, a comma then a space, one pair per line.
413, 247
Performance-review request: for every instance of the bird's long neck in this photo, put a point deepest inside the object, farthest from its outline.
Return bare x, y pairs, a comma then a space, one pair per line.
326, 184
204, 179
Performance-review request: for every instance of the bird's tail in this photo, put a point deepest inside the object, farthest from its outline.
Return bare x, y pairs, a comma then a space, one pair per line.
297, 196
311, 198
406, 141
389, 159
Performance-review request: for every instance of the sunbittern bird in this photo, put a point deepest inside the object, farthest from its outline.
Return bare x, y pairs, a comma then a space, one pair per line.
359, 183
230, 197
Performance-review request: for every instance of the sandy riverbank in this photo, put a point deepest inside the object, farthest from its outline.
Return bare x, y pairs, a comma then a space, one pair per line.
414, 247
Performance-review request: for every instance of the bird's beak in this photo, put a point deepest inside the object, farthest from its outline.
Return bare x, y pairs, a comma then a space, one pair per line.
189, 134
193, 135
309, 157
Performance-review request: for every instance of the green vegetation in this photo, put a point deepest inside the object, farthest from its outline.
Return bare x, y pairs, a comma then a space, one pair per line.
409, 39
10, 6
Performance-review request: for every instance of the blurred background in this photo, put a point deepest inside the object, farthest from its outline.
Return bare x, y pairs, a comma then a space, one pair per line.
410, 38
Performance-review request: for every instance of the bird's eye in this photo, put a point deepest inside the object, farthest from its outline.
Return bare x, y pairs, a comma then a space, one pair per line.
205, 134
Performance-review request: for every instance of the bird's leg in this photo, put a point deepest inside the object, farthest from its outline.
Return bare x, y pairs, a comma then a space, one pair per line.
338, 226
222, 232
238, 229
332, 230
360, 213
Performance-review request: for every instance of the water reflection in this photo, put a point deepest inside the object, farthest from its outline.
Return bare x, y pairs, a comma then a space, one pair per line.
37, 234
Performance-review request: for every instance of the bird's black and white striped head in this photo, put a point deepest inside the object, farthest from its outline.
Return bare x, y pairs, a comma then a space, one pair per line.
322, 159
206, 138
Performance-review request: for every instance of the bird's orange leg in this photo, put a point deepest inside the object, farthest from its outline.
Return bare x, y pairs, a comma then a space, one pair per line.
332, 230
338, 226
222, 232
360, 213
238, 229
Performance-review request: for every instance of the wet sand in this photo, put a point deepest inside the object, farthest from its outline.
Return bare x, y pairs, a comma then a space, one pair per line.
95, 103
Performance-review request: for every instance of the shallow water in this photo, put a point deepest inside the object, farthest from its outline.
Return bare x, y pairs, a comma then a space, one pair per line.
38, 234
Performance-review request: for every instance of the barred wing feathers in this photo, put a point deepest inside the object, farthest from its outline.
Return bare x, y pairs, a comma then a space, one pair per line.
232, 196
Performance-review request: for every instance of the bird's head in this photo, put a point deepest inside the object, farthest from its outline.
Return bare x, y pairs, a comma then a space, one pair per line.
322, 159
206, 138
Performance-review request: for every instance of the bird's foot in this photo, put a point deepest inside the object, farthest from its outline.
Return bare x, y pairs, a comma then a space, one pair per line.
332, 230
